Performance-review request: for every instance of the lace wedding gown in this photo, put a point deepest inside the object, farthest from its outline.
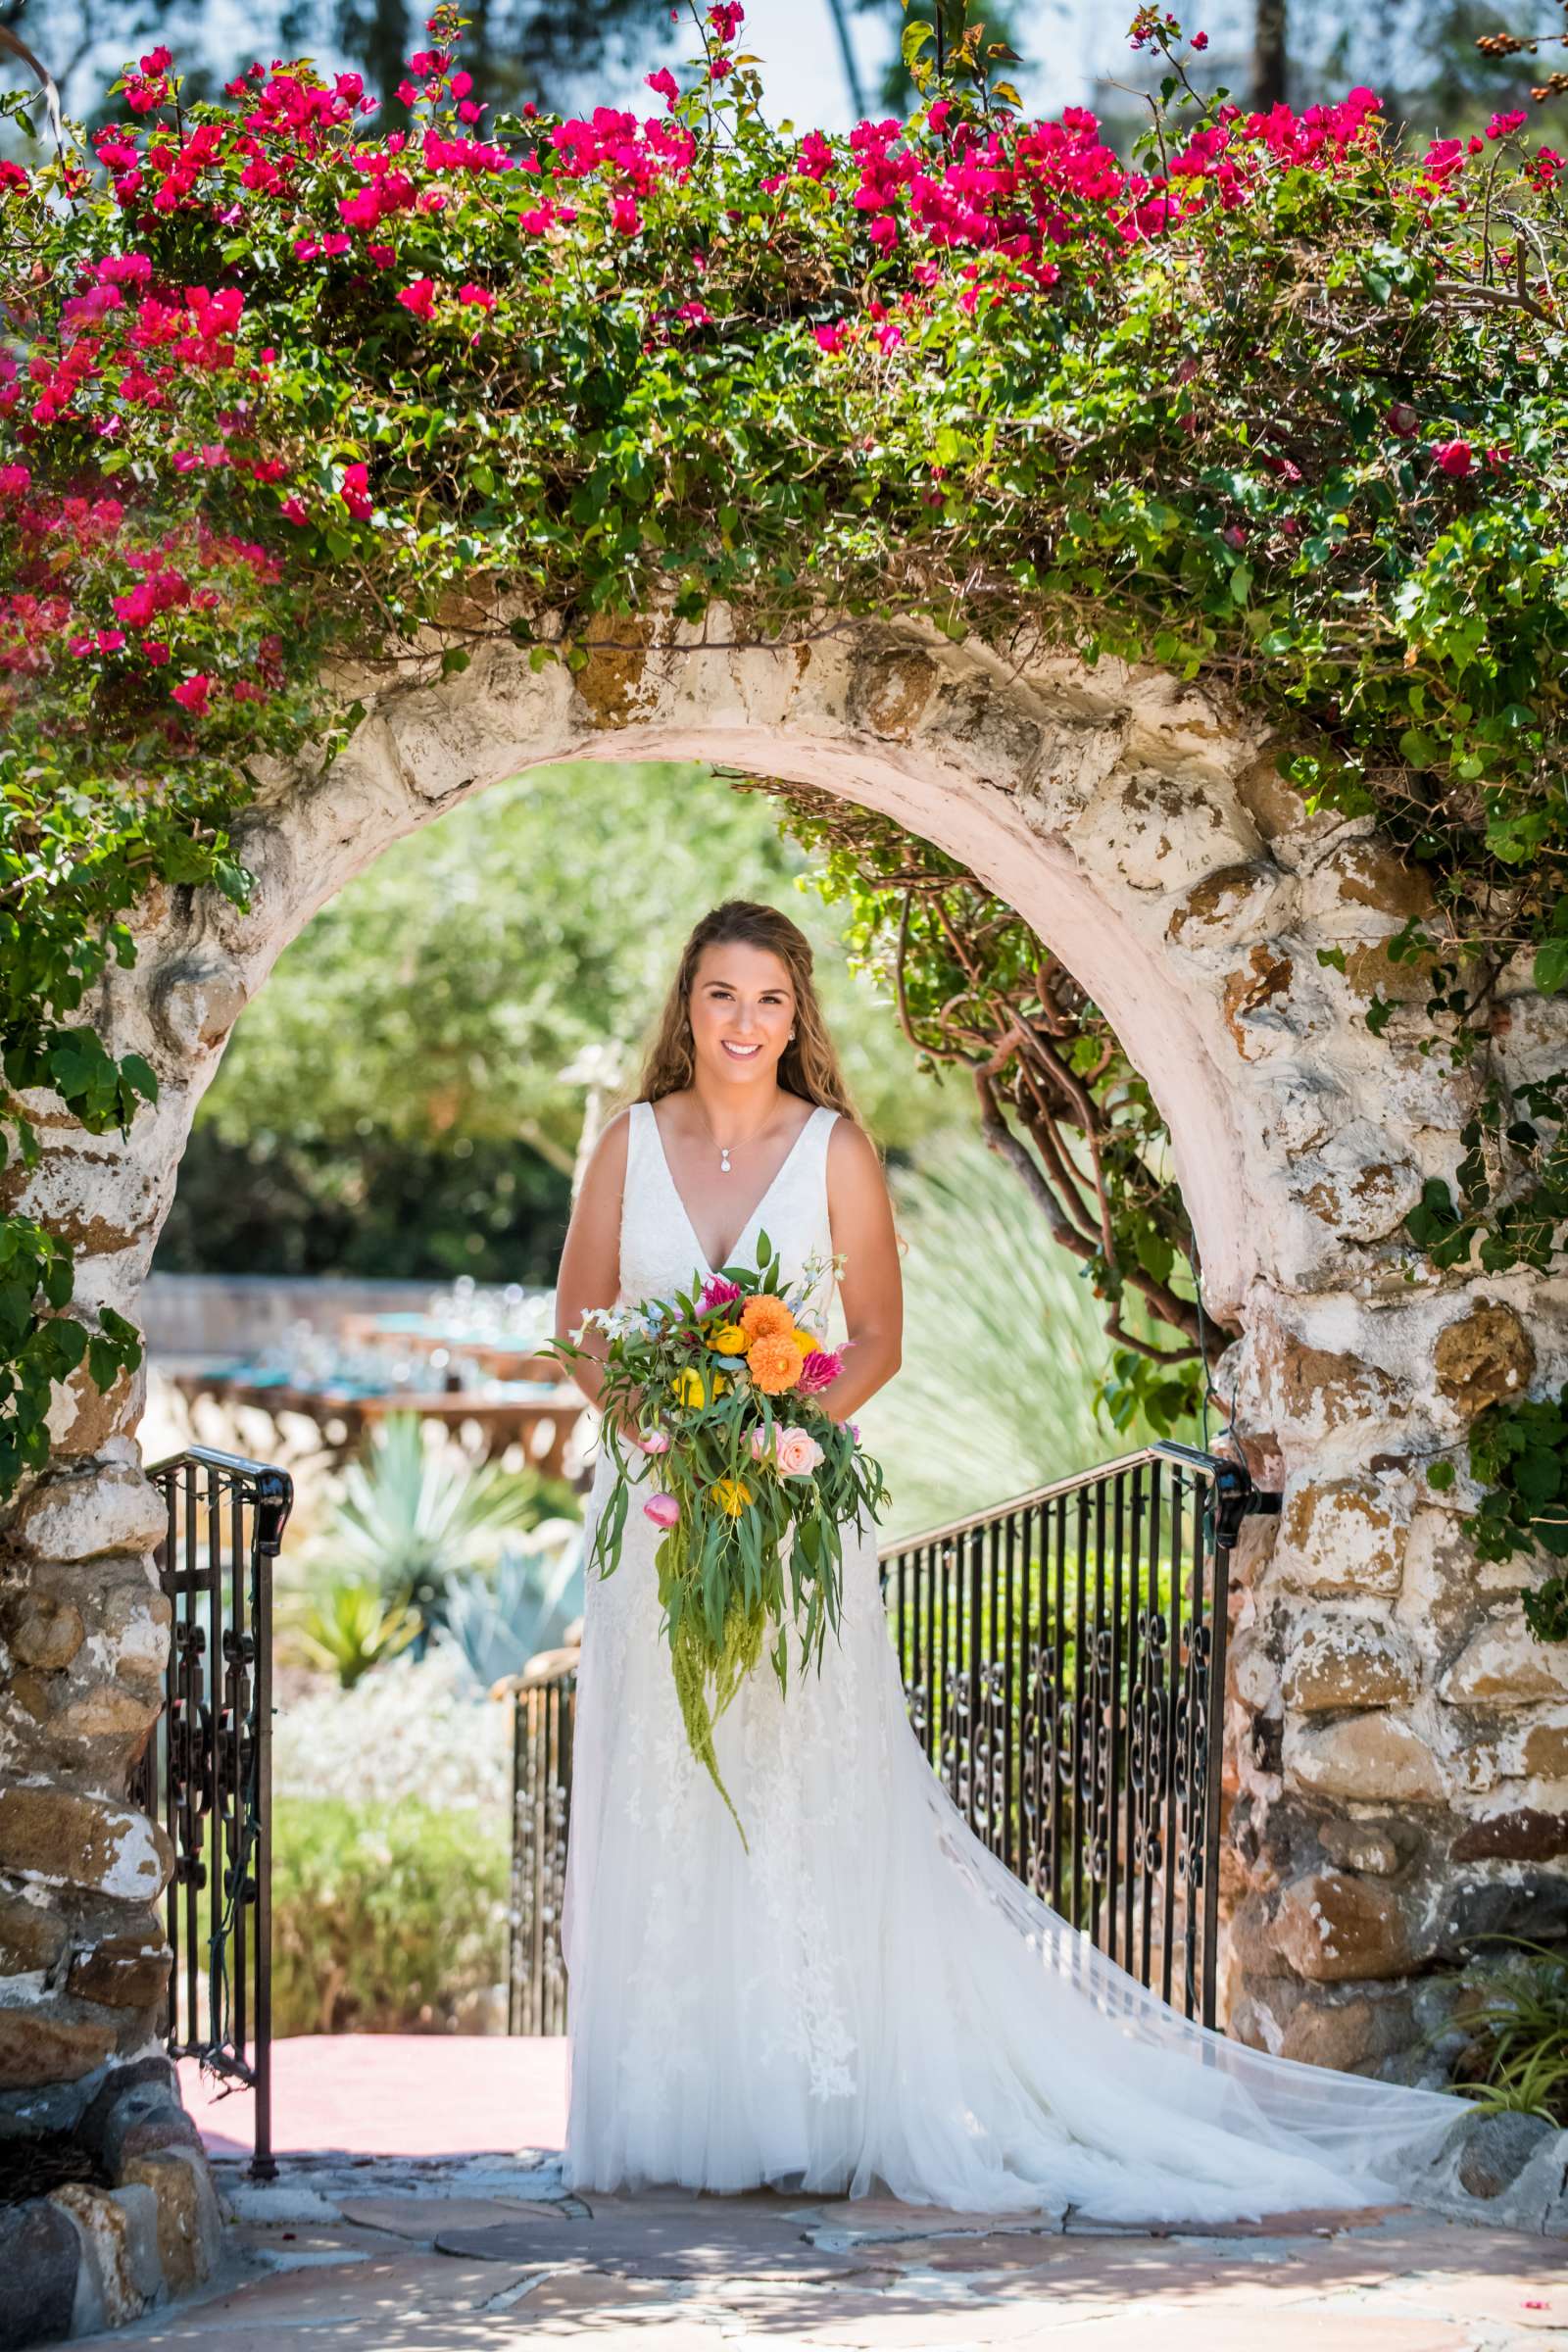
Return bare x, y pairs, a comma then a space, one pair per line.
869, 2001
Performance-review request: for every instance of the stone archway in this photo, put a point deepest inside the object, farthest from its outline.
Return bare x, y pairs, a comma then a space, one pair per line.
1402, 1752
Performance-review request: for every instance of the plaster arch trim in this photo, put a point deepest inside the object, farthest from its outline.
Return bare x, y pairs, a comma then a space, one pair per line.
1110, 806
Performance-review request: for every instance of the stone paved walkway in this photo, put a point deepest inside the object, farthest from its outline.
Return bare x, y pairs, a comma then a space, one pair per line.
382, 2254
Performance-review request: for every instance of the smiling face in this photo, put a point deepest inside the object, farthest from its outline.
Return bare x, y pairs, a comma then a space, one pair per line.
742, 1009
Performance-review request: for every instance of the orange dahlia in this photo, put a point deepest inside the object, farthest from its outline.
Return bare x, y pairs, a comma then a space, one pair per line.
765, 1315
774, 1363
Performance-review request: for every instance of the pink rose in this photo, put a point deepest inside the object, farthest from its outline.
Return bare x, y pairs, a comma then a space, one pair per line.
662, 1509
759, 1445
798, 1454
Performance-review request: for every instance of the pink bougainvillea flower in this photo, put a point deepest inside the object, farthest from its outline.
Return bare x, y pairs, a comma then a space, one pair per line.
356, 492
1199, 41
662, 1509
832, 338
665, 82
293, 511
1403, 420
624, 216
191, 694
153, 652
419, 297
481, 296
1456, 457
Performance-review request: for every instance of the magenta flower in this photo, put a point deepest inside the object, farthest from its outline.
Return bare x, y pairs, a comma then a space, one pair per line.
191, 694
1454, 457
822, 1367
718, 1293
662, 1509
420, 298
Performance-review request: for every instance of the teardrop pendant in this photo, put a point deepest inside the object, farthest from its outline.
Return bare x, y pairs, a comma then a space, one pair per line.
723, 1159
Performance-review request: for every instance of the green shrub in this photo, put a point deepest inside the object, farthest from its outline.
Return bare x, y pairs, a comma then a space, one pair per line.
1517, 2062
384, 1920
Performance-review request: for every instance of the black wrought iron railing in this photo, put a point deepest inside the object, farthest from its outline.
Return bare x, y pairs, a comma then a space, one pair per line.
1064, 1657
206, 1772
1064, 1661
544, 1698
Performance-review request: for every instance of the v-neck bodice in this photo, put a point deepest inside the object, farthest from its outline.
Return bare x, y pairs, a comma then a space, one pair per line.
660, 1251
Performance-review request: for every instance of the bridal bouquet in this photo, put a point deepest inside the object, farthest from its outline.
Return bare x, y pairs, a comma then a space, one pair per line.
756, 1481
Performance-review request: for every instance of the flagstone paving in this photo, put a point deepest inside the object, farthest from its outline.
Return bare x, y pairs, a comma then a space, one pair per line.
480, 2254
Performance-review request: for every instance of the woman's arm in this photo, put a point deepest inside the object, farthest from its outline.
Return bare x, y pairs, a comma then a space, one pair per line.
590, 1261
872, 1289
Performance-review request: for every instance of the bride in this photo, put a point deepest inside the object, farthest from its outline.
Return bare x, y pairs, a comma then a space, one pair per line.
866, 2000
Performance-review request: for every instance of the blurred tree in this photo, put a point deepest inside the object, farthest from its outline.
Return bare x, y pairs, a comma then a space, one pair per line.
555, 51
1270, 53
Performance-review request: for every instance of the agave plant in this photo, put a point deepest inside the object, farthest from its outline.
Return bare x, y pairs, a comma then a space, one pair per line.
536, 1593
408, 1519
348, 1629
1004, 1346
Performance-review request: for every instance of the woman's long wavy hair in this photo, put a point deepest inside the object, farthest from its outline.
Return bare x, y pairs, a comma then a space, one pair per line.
810, 1065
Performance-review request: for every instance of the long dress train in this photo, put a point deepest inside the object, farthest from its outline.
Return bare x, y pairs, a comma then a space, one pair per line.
869, 2001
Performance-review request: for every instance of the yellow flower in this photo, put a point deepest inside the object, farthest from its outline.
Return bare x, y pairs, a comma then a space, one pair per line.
731, 1494
806, 1341
688, 1387
729, 1339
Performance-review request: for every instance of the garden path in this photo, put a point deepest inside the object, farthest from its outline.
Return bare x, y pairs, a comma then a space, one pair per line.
388, 2251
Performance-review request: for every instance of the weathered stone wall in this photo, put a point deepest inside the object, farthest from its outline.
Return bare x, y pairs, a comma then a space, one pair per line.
1400, 1751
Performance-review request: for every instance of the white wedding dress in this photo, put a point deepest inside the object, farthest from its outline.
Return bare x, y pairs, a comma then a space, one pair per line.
869, 2001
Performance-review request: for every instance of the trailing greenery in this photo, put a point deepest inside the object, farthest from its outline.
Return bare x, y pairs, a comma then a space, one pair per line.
1519, 1455
385, 1918
1282, 406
